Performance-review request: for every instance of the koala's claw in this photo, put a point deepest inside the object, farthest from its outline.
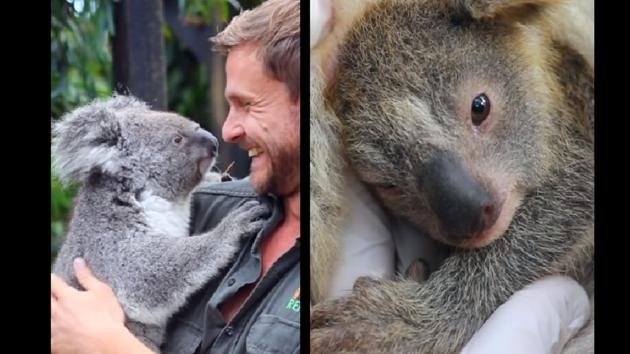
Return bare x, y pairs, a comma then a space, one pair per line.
254, 211
357, 308
324, 314
348, 338
348, 325
254, 227
365, 282
249, 218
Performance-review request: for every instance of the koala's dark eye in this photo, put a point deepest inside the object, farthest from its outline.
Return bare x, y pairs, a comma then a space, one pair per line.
480, 109
391, 189
178, 139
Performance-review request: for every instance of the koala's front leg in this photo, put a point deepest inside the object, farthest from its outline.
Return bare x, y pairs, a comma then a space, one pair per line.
392, 317
154, 275
438, 316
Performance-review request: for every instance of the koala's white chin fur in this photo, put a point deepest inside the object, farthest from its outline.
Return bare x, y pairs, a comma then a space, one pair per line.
164, 216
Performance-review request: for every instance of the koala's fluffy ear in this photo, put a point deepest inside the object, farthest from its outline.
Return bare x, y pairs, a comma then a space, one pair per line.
501, 8
87, 138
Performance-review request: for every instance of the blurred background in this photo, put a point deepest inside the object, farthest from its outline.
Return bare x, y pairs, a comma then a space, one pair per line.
157, 50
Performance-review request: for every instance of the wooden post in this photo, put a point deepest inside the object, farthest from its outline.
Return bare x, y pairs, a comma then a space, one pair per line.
139, 64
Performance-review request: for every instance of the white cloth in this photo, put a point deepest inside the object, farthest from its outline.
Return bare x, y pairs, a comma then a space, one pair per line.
367, 244
320, 15
411, 245
539, 319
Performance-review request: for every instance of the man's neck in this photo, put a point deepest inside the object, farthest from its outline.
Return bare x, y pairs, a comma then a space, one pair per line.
292, 207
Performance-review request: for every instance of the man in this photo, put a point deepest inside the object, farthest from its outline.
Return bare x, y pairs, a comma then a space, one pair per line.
255, 304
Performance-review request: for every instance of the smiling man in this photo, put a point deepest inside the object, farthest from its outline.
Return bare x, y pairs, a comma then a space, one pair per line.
254, 306
263, 119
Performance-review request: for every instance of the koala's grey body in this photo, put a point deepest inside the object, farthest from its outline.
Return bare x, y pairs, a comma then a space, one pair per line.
131, 216
408, 74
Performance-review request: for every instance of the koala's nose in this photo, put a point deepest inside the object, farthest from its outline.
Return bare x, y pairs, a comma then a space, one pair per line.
207, 139
463, 206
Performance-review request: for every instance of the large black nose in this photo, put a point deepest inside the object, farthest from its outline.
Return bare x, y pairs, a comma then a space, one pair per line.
463, 206
207, 139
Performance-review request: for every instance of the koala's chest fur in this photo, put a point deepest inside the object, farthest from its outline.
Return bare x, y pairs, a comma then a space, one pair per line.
166, 217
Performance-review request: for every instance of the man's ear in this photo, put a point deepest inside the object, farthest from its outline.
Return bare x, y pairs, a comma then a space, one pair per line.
502, 9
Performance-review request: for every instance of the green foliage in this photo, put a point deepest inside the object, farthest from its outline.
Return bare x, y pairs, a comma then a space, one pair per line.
205, 10
80, 71
81, 61
60, 208
187, 80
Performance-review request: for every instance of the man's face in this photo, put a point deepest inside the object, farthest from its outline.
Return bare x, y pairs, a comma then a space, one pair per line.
264, 121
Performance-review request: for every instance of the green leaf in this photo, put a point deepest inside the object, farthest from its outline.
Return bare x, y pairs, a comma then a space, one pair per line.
225, 13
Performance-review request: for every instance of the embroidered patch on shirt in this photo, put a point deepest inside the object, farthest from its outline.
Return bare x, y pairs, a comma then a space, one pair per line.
294, 302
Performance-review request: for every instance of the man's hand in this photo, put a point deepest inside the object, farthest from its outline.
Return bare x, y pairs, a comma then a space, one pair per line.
90, 321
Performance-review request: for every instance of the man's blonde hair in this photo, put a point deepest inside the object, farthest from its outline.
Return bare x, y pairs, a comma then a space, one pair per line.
275, 25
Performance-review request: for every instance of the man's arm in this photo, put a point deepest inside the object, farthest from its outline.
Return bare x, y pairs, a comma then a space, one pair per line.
90, 321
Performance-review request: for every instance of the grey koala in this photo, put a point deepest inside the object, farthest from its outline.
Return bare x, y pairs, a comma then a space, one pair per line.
473, 120
131, 216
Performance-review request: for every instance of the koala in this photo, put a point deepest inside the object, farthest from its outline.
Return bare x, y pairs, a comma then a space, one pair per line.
474, 121
130, 221
330, 174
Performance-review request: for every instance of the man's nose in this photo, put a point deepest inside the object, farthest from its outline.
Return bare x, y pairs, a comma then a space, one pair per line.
232, 130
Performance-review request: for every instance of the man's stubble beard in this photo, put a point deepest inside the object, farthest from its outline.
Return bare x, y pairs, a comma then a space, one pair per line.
282, 175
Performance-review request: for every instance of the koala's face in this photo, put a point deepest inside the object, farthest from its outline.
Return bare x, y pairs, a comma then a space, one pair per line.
445, 117
121, 137
171, 152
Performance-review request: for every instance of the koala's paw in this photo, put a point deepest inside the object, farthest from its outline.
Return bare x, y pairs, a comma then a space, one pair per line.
343, 339
249, 218
355, 307
344, 326
363, 322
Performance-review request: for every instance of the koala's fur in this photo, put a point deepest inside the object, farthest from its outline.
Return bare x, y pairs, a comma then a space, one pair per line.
329, 204
131, 216
401, 93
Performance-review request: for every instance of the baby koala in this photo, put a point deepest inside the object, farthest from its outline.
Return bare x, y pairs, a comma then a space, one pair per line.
131, 216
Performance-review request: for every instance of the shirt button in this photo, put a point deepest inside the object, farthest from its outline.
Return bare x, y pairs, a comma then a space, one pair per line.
229, 331
231, 282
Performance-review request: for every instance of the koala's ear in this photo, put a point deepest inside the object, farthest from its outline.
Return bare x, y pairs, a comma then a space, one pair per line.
85, 139
502, 9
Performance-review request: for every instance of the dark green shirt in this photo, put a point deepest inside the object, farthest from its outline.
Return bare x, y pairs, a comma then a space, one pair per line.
269, 320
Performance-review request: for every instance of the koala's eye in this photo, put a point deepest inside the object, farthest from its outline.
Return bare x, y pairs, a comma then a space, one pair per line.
178, 139
391, 189
480, 109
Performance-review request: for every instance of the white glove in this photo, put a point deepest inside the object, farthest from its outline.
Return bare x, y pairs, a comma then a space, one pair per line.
320, 21
540, 318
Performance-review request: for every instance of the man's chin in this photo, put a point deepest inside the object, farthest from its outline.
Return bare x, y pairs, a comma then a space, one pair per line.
260, 183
